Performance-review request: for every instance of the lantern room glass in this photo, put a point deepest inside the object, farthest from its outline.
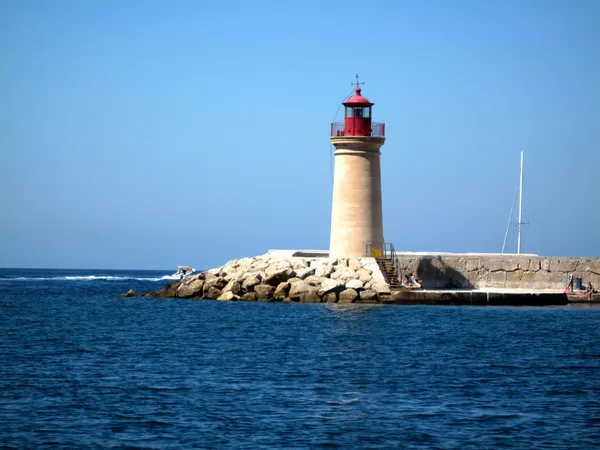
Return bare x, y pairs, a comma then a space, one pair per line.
358, 111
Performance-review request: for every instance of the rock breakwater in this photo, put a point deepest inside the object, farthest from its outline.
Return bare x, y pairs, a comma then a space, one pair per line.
276, 278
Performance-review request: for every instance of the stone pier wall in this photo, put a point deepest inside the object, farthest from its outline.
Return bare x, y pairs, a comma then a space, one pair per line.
439, 270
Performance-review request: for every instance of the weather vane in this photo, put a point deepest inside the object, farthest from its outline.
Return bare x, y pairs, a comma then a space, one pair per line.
357, 83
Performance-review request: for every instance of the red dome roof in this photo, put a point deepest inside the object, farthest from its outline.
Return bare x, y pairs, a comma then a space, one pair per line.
358, 99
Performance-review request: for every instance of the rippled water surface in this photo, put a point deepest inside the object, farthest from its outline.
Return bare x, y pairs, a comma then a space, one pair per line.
83, 367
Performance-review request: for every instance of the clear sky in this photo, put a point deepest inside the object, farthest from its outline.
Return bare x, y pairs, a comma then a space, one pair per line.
150, 134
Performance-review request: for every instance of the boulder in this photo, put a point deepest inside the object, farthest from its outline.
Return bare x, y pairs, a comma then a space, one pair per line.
315, 264
218, 283
343, 274
342, 262
354, 264
311, 296
212, 292
279, 276
263, 291
282, 290
193, 289
348, 296
324, 270
364, 275
330, 297
380, 288
302, 273
300, 291
328, 285
228, 296
130, 293
234, 286
368, 296
251, 281
314, 280
354, 284
249, 296
298, 263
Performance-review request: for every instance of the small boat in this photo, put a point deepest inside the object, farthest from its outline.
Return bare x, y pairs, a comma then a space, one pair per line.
183, 271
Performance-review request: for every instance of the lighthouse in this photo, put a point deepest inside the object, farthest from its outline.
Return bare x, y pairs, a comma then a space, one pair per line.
356, 212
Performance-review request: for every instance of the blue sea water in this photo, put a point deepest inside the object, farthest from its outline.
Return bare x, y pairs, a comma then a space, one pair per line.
83, 367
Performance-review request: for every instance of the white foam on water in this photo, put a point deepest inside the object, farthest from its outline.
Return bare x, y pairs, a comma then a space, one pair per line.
94, 278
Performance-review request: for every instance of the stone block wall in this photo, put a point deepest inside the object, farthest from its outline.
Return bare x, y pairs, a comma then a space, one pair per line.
440, 271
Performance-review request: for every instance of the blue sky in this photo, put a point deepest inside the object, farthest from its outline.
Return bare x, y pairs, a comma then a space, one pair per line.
149, 134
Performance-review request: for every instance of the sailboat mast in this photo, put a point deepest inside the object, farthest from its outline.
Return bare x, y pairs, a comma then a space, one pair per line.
520, 224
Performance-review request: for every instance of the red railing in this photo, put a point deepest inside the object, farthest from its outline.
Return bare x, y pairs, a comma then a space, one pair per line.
377, 129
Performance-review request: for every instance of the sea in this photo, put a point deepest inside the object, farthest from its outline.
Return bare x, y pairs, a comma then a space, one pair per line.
83, 367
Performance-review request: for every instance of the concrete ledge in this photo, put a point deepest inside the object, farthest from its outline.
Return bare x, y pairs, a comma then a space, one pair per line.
476, 298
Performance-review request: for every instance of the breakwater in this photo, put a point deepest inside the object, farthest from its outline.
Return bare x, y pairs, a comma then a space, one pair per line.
456, 279
481, 271
280, 277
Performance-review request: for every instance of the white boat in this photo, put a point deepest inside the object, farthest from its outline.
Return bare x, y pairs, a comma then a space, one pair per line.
183, 271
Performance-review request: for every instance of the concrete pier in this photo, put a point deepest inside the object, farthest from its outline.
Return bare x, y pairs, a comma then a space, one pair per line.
476, 297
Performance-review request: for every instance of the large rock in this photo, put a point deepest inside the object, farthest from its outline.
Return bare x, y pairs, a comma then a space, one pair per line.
324, 270
251, 281
380, 288
330, 297
314, 264
341, 262
228, 296
354, 284
354, 264
305, 272
234, 286
130, 293
368, 296
364, 275
298, 263
282, 290
311, 296
192, 289
249, 296
328, 285
278, 276
348, 296
212, 293
263, 291
343, 274
314, 280
217, 283
300, 291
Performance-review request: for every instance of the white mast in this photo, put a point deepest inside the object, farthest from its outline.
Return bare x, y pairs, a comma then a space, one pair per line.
520, 224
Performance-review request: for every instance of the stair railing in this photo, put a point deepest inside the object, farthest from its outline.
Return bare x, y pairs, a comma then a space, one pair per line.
385, 250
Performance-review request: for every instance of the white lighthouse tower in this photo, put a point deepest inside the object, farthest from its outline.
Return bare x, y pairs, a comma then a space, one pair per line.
356, 213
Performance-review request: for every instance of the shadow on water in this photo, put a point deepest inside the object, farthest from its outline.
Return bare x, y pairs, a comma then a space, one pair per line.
436, 274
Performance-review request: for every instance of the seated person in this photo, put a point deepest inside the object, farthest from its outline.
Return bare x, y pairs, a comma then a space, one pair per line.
589, 290
414, 280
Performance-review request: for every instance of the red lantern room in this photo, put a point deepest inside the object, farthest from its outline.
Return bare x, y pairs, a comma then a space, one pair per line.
357, 118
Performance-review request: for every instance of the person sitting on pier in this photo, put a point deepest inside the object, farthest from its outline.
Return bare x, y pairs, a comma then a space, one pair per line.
414, 280
589, 290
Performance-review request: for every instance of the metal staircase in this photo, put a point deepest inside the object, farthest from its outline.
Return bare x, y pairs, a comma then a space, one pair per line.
388, 262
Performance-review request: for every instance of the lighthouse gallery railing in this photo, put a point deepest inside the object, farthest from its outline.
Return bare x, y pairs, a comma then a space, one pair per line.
377, 129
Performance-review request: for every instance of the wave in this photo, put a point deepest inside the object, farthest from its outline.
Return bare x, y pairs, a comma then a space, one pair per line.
94, 278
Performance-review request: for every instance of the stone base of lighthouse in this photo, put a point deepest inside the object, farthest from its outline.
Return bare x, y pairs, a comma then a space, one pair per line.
356, 213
